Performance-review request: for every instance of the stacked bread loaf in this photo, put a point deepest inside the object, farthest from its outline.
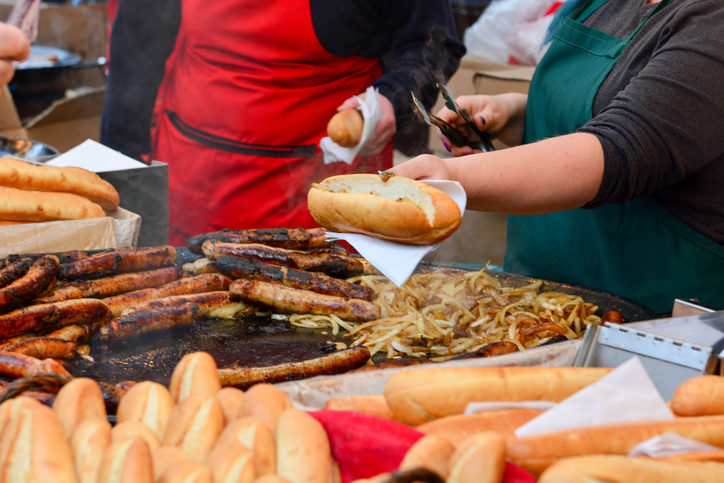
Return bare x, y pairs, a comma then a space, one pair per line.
32, 193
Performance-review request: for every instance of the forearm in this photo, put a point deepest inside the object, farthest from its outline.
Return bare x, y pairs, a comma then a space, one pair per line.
556, 174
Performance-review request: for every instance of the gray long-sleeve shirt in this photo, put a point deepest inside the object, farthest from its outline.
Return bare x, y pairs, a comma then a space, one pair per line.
660, 113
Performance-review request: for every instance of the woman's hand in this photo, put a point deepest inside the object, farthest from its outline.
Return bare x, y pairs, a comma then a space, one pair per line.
14, 45
501, 116
385, 129
425, 166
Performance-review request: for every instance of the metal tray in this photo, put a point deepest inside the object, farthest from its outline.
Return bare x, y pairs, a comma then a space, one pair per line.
263, 341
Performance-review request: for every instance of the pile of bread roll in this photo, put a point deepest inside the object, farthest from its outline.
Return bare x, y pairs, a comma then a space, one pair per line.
192, 432
31, 193
473, 448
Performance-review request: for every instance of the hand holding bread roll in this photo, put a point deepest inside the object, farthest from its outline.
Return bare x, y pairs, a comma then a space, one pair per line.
345, 128
89, 442
399, 209
77, 401
303, 451
700, 396
195, 374
194, 425
149, 403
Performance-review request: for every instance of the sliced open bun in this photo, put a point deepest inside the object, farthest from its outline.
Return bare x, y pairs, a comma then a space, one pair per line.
399, 209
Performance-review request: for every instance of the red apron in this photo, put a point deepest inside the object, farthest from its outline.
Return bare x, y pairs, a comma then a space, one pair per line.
246, 98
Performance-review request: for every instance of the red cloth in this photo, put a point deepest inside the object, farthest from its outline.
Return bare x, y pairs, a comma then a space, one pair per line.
365, 446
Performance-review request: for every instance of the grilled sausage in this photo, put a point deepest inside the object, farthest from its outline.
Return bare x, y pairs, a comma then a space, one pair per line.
14, 271
41, 275
251, 269
18, 365
199, 266
113, 285
44, 348
37, 318
143, 322
330, 263
209, 304
291, 238
335, 363
490, 350
209, 282
292, 300
123, 260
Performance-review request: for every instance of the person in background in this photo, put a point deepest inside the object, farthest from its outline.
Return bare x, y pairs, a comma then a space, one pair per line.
246, 91
616, 177
14, 46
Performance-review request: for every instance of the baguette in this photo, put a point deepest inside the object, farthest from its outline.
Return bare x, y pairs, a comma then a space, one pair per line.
303, 450
230, 399
345, 127
127, 461
186, 471
700, 396
609, 468
77, 401
196, 373
374, 405
33, 446
538, 452
429, 452
149, 403
36, 206
417, 396
194, 425
460, 427
231, 463
164, 457
253, 435
265, 403
88, 444
479, 459
78, 181
135, 429
400, 209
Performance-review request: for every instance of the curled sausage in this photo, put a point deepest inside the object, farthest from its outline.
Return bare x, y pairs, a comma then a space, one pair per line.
123, 260
37, 318
41, 275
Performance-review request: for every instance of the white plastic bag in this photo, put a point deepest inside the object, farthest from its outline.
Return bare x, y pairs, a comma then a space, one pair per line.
511, 31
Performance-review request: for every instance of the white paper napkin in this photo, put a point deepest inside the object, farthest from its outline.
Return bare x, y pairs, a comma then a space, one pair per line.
95, 157
396, 260
371, 113
626, 394
669, 444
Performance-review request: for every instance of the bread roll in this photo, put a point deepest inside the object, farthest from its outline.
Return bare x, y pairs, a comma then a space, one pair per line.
149, 403
265, 403
194, 425
135, 429
417, 396
400, 209
231, 463
429, 452
374, 405
256, 437
88, 444
37, 206
164, 457
77, 401
195, 374
598, 468
716, 456
271, 479
700, 396
127, 461
29, 177
479, 459
230, 399
303, 451
536, 453
345, 127
460, 427
186, 471
33, 446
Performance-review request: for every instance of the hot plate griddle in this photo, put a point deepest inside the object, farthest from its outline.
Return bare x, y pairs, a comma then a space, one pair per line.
264, 341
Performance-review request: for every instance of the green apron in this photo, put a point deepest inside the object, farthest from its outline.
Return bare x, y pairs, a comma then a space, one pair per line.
638, 250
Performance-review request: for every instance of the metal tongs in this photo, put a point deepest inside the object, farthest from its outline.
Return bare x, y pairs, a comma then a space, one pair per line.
480, 140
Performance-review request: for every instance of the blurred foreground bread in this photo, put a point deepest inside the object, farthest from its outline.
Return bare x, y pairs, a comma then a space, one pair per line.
77, 401
303, 451
374, 405
460, 427
399, 209
420, 395
149, 403
256, 437
88, 443
231, 463
37, 206
127, 461
598, 468
479, 459
429, 452
29, 177
537, 452
345, 127
265, 403
195, 374
700, 396
194, 425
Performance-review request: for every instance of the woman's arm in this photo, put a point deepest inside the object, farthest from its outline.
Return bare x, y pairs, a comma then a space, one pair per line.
556, 174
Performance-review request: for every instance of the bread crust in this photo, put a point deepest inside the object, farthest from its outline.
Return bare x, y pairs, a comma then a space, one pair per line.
135, 429
700, 396
401, 210
417, 396
479, 459
429, 452
231, 463
77, 401
194, 425
303, 450
186, 471
345, 127
195, 374
373, 404
230, 399
256, 437
127, 461
29, 177
460, 427
164, 457
89, 441
265, 403
36, 206
149, 403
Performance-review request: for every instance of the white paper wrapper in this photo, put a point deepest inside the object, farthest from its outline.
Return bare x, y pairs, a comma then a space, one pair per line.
669, 444
626, 394
95, 157
395, 260
371, 113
